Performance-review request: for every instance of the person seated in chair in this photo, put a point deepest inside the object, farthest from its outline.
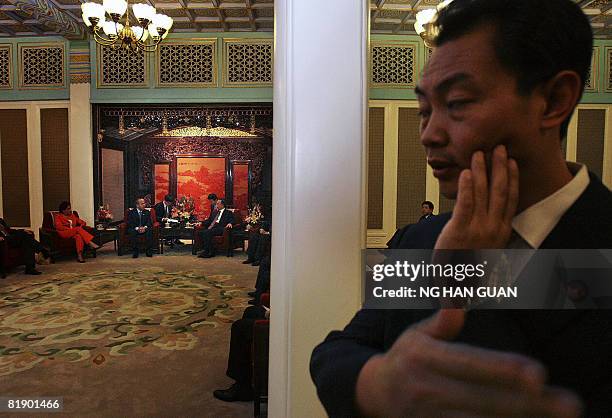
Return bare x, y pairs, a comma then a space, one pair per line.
213, 209
69, 225
240, 359
259, 245
20, 238
140, 225
163, 212
224, 218
262, 285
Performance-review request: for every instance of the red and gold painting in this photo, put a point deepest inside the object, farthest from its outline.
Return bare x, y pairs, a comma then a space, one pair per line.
197, 177
162, 181
241, 185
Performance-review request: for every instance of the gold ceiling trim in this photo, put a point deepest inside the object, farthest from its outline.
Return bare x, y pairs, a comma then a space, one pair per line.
198, 131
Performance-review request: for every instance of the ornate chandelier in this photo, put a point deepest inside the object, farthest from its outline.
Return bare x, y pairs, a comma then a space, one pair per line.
152, 26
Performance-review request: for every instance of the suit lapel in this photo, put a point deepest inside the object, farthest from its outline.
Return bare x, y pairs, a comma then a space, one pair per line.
585, 225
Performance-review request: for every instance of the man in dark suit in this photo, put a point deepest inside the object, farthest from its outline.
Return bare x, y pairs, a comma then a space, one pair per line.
213, 199
163, 212
19, 238
140, 225
495, 101
427, 208
224, 218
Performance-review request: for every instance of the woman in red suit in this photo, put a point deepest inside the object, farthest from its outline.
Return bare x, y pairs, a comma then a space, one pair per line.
68, 225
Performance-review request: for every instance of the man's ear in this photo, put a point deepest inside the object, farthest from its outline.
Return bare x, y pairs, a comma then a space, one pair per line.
561, 95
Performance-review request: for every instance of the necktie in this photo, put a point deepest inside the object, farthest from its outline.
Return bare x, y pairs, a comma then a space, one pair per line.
216, 221
140, 218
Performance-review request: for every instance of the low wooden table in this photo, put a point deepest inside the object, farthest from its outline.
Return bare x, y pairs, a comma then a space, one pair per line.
176, 232
102, 236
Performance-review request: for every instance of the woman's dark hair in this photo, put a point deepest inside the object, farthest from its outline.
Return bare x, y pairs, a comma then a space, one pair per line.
534, 39
63, 205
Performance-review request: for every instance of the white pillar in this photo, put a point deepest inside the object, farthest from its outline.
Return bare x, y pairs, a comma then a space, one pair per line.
81, 152
35, 167
319, 184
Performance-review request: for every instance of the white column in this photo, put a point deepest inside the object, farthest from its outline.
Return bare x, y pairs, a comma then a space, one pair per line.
319, 184
35, 167
81, 152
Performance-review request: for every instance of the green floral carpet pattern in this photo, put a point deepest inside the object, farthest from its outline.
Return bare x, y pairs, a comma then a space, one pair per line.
100, 316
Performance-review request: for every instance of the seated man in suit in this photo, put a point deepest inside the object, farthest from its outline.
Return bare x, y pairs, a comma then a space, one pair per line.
495, 100
20, 238
213, 209
427, 208
163, 212
240, 358
259, 244
140, 225
224, 218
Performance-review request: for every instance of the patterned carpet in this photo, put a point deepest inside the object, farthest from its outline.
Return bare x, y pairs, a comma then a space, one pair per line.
75, 317
118, 337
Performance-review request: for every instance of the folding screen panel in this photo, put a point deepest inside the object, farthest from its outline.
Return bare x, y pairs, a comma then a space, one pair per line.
240, 176
55, 157
15, 181
376, 167
113, 181
591, 139
197, 176
161, 181
411, 168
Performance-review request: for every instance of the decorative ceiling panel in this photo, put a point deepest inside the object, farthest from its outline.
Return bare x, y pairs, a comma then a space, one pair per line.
52, 17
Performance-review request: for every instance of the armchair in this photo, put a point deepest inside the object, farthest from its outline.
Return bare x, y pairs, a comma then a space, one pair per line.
225, 242
57, 245
124, 239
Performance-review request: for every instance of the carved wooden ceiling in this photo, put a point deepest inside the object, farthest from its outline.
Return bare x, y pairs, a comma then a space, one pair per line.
63, 17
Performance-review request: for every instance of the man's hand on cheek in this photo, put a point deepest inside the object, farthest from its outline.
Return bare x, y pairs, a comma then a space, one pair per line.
482, 218
425, 375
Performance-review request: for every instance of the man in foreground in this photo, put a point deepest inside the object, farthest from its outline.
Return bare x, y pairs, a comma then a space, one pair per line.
495, 102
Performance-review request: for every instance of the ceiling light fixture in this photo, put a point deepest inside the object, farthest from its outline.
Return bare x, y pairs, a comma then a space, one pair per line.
152, 26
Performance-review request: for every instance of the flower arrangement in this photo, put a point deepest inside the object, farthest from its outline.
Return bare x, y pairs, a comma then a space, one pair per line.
185, 207
104, 214
255, 215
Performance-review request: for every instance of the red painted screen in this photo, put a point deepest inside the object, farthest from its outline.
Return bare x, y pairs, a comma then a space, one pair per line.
162, 181
199, 176
241, 186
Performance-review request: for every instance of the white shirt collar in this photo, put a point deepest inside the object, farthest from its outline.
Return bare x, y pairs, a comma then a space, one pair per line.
537, 221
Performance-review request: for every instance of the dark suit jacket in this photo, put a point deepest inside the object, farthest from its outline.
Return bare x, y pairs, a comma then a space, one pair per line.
7, 228
160, 211
574, 345
135, 221
226, 218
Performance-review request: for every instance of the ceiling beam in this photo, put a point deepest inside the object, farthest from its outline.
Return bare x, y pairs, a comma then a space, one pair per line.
409, 15
190, 15
221, 15
249, 6
379, 6
51, 15
7, 30
25, 22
